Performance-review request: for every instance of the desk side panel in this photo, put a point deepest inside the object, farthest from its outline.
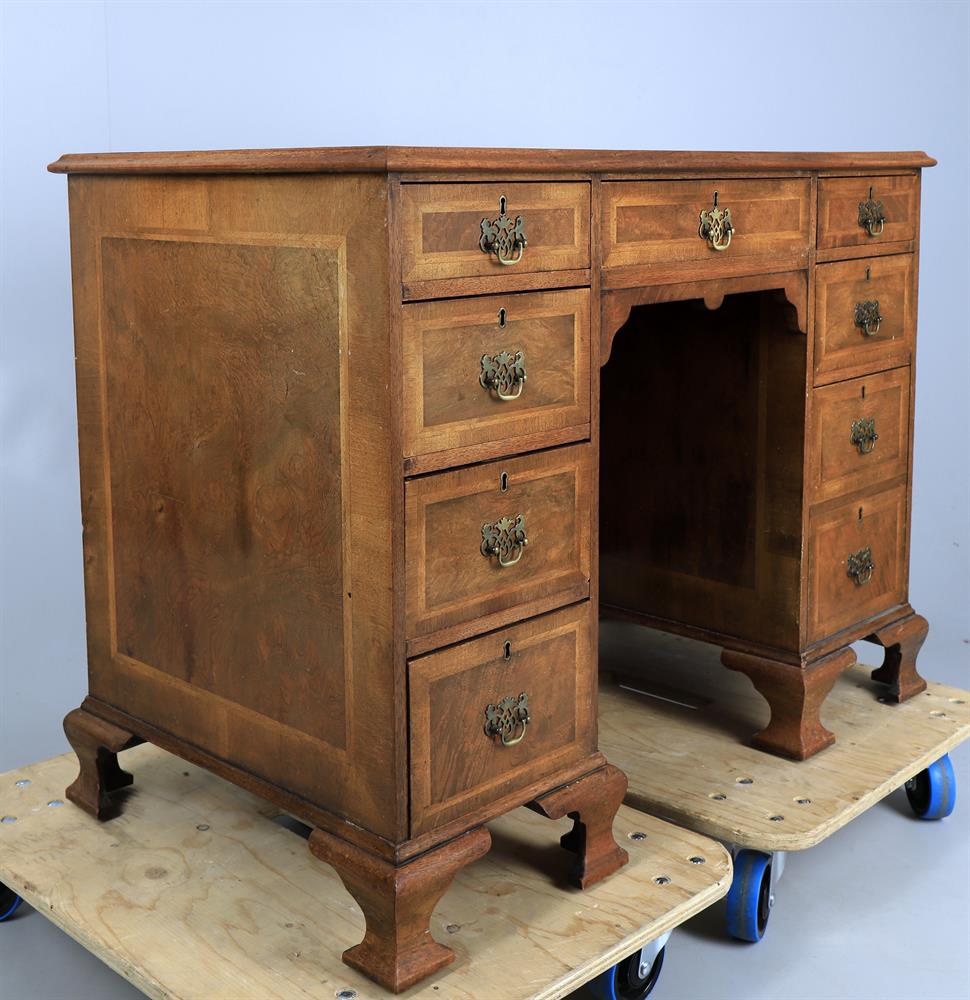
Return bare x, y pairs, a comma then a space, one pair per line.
234, 432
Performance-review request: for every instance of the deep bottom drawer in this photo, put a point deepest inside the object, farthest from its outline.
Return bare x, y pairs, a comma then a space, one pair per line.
857, 561
496, 713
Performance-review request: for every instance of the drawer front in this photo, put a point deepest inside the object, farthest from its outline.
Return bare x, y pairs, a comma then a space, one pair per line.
857, 564
659, 222
474, 548
865, 314
858, 210
861, 431
443, 233
495, 368
470, 741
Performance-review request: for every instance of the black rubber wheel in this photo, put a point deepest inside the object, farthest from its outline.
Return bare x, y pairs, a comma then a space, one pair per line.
629, 984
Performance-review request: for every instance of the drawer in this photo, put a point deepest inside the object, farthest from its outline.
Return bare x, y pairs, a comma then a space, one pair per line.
850, 210
865, 315
861, 433
495, 368
466, 700
857, 561
492, 537
443, 228
659, 222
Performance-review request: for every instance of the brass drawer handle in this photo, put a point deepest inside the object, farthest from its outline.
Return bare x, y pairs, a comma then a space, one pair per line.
860, 566
863, 434
503, 374
506, 539
508, 718
503, 237
716, 227
872, 216
868, 317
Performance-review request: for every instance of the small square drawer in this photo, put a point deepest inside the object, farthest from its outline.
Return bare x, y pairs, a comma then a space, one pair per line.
493, 537
473, 230
858, 210
857, 561
865, 315
494, 714
660, 222
861, 433
491, 369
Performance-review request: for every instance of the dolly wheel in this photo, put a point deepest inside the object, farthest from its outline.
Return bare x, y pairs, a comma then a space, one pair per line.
630, 979
9, 901
749, 899
933, 793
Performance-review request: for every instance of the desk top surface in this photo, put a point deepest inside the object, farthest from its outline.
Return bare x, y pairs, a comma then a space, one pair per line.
418, 159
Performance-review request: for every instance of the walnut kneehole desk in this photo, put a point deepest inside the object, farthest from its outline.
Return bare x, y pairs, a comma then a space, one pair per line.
369, 436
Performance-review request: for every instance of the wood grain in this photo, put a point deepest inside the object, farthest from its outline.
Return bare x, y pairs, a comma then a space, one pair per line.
455, 766
658, 222
838, 209
450, 581
217, 900
842, 349
446, 409
712, 711
441, 228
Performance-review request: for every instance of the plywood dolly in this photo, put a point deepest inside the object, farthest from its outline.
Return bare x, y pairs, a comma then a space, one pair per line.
677, 723
199, 889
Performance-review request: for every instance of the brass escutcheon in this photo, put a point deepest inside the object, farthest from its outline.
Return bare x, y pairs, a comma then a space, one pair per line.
868, 317
503, 374
863, 434
508, 718
872, 216
503, 237
716, 226
506, 539
859, 566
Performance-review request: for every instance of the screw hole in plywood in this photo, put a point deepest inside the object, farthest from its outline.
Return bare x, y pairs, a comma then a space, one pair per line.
637, 835
803, 802
777, 818
22, 783
718, 796
744, 781
662, 880
938, 715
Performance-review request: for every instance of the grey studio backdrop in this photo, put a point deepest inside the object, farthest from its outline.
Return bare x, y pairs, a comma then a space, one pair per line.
880, 910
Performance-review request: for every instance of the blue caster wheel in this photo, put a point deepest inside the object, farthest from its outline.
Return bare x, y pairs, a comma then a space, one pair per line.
933, 793
9, 901
749, 899
628, 980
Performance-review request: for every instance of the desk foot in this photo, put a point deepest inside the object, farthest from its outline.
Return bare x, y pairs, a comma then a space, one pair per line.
398, 949
795, 695
591, 803
97, 744
902, 641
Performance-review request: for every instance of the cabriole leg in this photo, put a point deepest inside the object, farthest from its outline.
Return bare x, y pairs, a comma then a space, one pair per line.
795, 695
97, 744
398, 949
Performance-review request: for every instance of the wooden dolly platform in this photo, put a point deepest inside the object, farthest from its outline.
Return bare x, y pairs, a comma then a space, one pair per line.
195, 891
678, 723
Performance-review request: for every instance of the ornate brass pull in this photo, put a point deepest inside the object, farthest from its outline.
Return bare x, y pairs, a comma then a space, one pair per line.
867, 317
503, 237
863, 434
859, 566
716, 227
508, 718
872, 216
503, 374
505, 539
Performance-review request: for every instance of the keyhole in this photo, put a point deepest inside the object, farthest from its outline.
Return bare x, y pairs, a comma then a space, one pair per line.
501, 204
860, 513
715, 199
870, 192
868, 274
508, 650
501, 318
504, 482
863, 392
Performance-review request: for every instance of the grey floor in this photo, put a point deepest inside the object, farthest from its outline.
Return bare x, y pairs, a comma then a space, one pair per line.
880, 911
